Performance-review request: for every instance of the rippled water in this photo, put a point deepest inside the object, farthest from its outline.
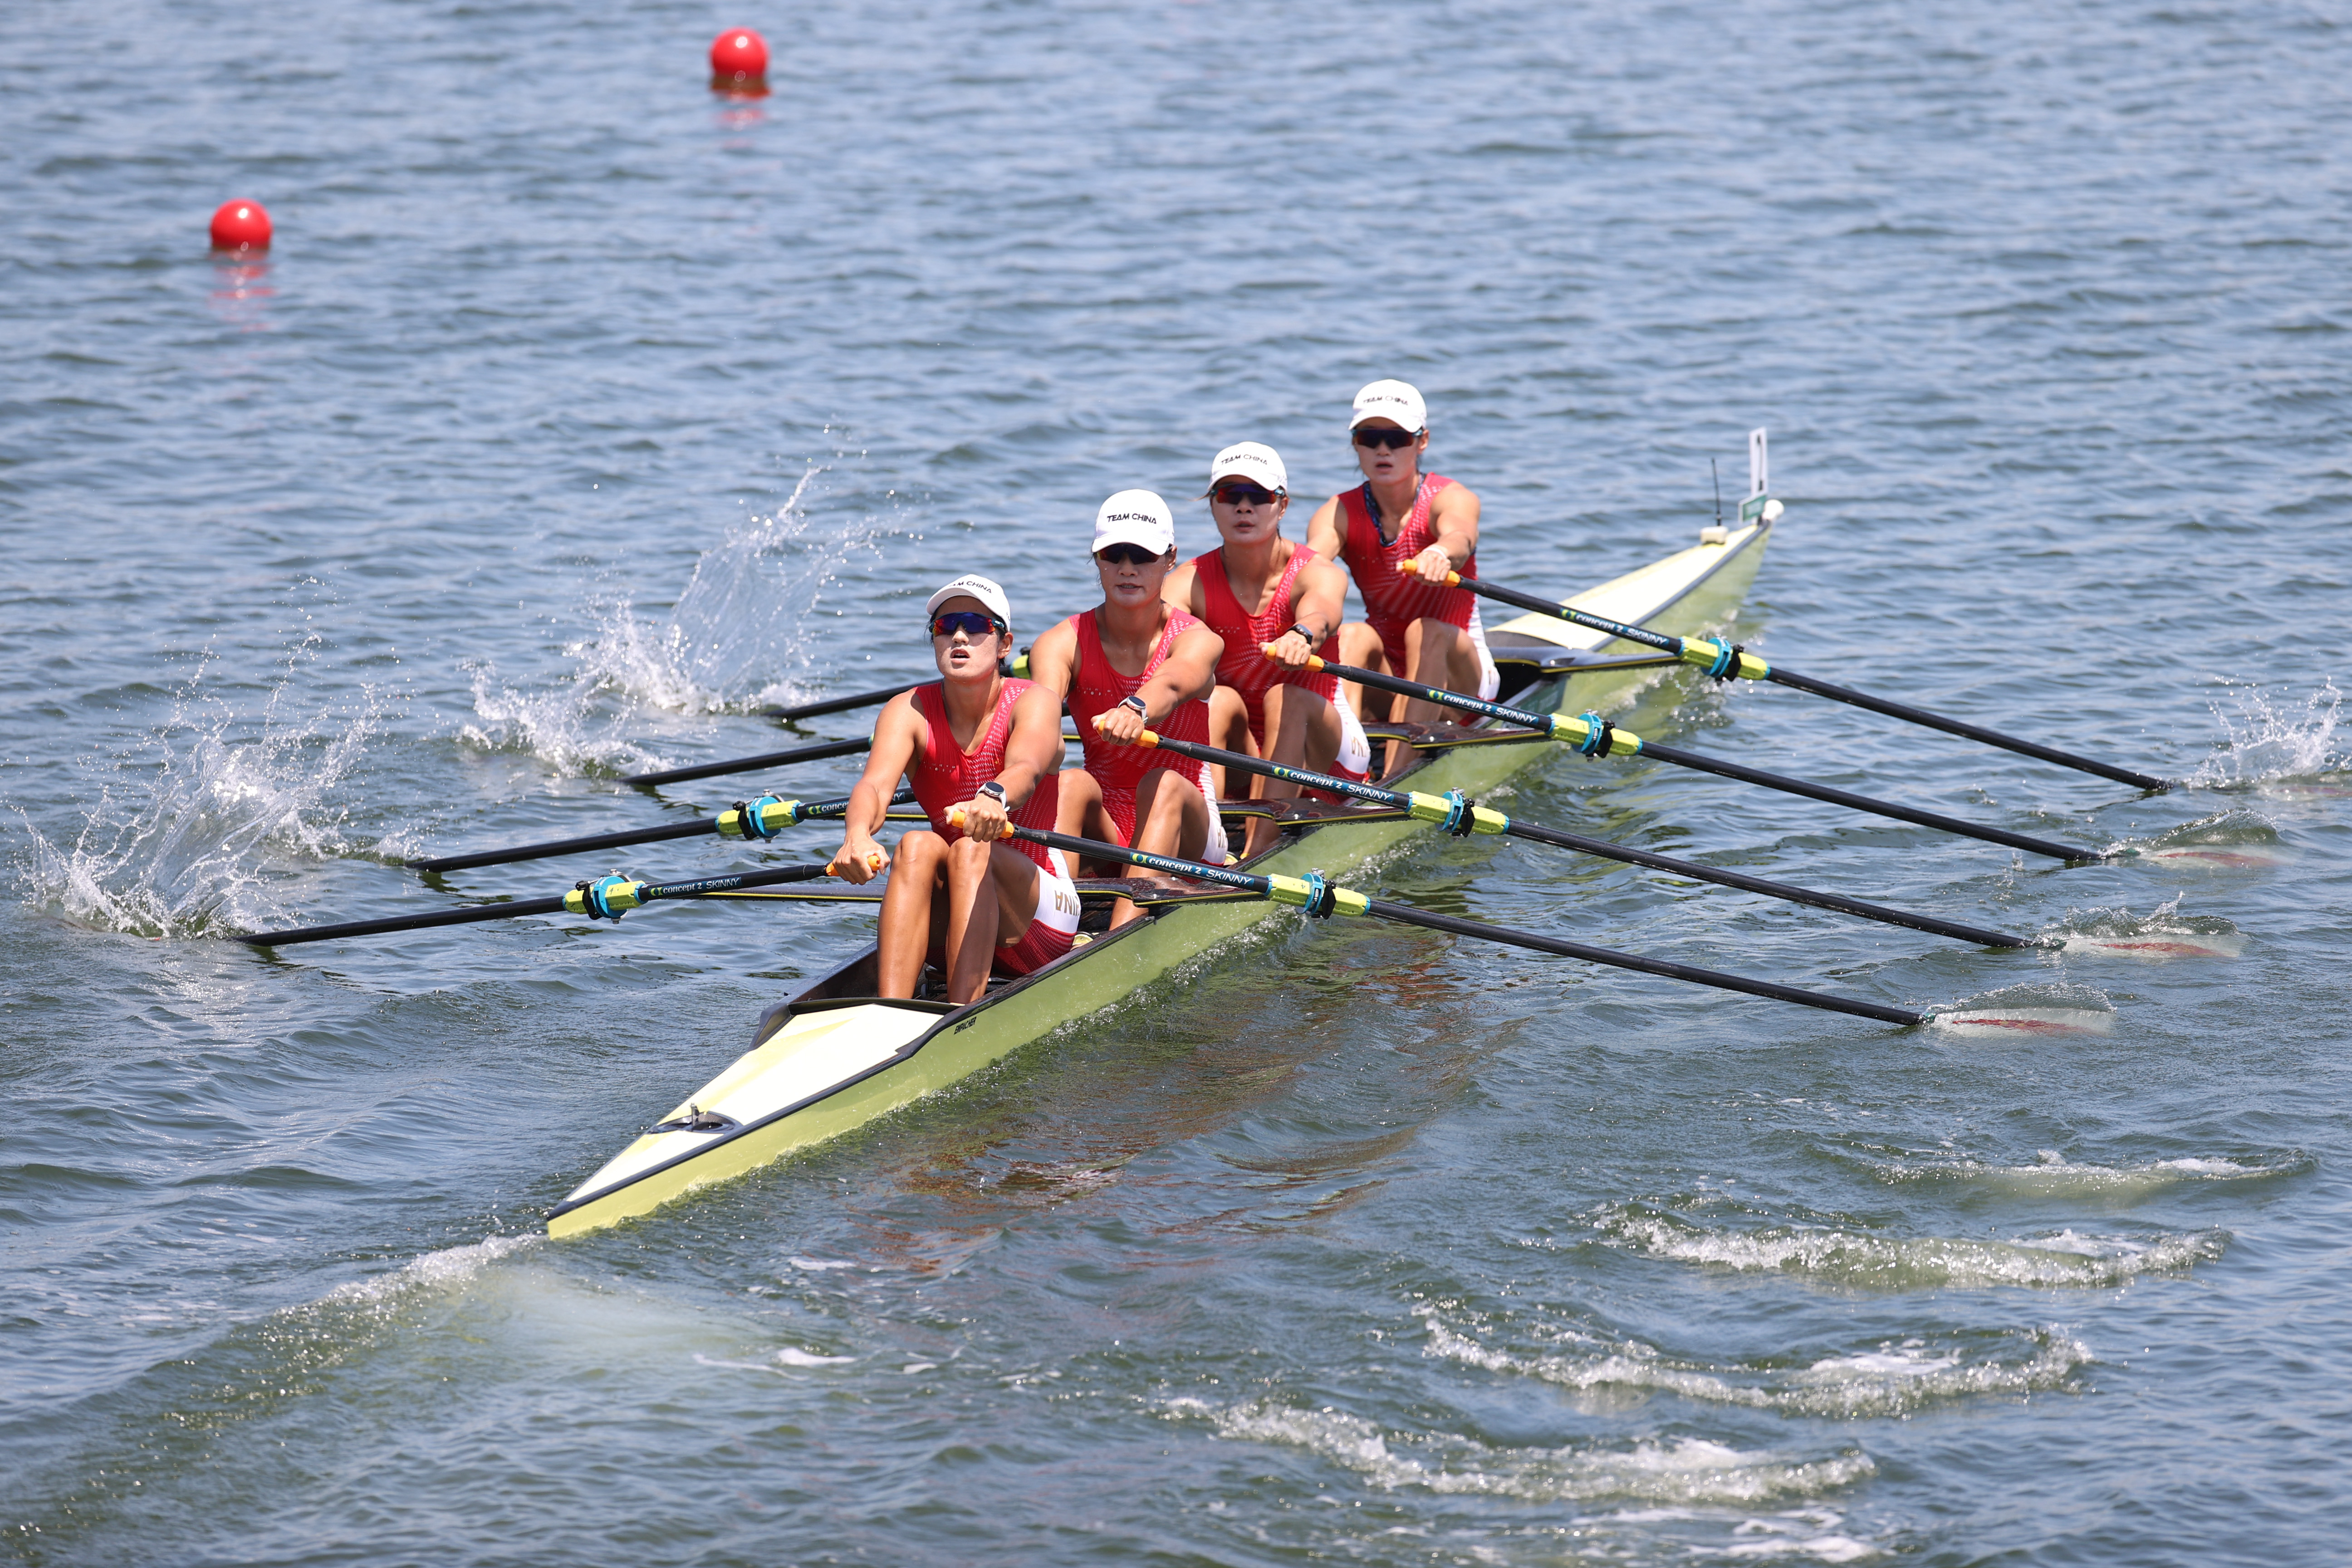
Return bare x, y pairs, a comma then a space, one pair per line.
577, 413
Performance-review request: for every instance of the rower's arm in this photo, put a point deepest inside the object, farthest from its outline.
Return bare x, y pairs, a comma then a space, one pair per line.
1319, 603
1454, 528
1053, 659
1190, 670
897, 734
1035, 747
1323, 534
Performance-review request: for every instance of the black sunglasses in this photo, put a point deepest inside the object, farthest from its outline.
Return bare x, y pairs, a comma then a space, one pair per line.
1243, 492
1391, 439
971, 623
1124, 554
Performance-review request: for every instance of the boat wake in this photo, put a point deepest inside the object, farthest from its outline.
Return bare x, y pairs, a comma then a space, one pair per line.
1667, 1470
1892, 1379
2274, 752
185, 826
1841, 1255
749, 612
2164, 933
2047, 1008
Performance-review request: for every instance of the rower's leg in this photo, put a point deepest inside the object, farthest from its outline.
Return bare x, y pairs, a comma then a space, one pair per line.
1361, 646
1171, 817
1439, 653
1290, 716
972, 914
917, 864
1229, 729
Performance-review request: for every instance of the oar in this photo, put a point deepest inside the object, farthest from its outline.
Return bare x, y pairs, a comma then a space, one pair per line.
1725, 662
606, 898
832, 705
762, 818
1595, 736
1319, 899
1459, 815
752, 764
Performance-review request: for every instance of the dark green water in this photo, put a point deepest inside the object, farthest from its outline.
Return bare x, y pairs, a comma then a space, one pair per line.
576, 414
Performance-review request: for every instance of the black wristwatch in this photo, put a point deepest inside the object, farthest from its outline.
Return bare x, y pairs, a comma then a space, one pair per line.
1132, 701
993, 790
1302, 629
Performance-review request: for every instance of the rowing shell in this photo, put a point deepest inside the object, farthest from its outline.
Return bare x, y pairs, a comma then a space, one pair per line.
835, 1057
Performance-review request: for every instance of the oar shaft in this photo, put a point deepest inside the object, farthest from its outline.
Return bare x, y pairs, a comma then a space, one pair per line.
1707, 765
565, 846
752, 764
1406, 915
832, 705
1921, 717
1864, 803
1791, 679
1602, 848
645, 893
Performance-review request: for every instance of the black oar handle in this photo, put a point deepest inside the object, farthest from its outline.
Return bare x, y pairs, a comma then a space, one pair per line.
1937, 820
752, 764
1405, 914
646, 894
1921, 717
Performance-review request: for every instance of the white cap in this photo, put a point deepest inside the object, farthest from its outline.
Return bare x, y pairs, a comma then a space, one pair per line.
1251, 460
972, 585
1390, 400
1135, 517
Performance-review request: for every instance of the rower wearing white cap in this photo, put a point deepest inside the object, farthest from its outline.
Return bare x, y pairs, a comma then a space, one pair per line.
986, 747
1429, 633
1267, 596
1135, 662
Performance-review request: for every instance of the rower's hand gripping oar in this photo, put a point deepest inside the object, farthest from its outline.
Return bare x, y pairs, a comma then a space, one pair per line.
1726, 662
1595, 736
762, 818
1320, 899
605, 899
1461, 816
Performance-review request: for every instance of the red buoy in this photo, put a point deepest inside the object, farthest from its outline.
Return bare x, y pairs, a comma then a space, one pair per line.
241, 225
739, 58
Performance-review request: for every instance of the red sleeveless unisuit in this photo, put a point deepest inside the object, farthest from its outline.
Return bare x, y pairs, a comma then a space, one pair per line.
1098, 688
945, 774
1244, 666
1393, 601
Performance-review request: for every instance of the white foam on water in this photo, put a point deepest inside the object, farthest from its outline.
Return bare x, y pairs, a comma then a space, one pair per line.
1890, 1380
2053, 1175
1807, 1532
434, 1271
790, 1356
186, 826
1870, 1261
2231, 840
2265, 744
1668, 1471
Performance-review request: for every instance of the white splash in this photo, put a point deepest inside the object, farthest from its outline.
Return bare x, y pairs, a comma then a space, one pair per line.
2263, 745
185, 826
2163, 933
434, 1271
747, 616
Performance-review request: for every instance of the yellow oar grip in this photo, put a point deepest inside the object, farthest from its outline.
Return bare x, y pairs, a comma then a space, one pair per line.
1147, 739
1452, 579
1312, 661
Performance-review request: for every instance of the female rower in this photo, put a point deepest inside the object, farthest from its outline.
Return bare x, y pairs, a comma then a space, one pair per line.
968, 897
1428, 632
1275, 603
1135, 662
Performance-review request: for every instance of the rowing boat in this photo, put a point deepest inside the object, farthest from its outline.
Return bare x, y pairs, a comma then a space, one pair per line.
835, 1057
